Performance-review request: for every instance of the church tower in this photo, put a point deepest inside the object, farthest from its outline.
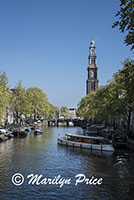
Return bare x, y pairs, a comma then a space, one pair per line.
92, 81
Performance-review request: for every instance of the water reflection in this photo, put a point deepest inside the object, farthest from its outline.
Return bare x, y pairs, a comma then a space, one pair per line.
41, 155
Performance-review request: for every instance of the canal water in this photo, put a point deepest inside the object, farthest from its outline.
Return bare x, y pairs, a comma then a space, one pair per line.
41, 155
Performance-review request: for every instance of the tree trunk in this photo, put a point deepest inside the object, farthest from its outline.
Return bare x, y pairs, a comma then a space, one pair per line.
17, 117
128, 122
34, 114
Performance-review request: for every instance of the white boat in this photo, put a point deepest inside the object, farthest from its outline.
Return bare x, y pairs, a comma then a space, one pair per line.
89, 142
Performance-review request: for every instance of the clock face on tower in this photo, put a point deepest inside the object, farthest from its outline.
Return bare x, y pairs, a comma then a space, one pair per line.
92, 74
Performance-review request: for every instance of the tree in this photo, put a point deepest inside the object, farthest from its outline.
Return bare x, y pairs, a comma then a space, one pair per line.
126, 21
85, 107
39, 104
101, 106
97, 105
50, 110
32, 101
20, 102
64, 112
37, 100
57, 112
4, 95
114, 101
124, 80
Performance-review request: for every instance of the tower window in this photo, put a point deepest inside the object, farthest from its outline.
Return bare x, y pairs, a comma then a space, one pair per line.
92, 61
92, 86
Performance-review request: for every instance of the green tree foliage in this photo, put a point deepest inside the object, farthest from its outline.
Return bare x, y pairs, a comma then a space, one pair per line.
57, 112
38, 102
64, 112
37, 99
115, 100
126, 20
124, 79
19, 101
96, 105
4, 95
32, 101
51, 110
86, 107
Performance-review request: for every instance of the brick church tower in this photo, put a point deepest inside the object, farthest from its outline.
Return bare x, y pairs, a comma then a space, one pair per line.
92, 81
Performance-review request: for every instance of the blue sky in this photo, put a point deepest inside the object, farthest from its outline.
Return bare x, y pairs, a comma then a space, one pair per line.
45, 43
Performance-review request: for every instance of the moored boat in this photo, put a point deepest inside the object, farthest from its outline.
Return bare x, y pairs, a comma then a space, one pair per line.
89, 142
19, 133
38, 132
22, 133
9, 135
3, 138
28, 130
2, 130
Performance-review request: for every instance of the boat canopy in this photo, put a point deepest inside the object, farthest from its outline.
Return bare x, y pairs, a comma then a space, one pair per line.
86, 137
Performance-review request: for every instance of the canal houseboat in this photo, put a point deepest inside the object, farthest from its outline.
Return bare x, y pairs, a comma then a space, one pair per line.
89, 142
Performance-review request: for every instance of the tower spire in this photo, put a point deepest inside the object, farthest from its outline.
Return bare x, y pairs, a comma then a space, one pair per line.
92, 81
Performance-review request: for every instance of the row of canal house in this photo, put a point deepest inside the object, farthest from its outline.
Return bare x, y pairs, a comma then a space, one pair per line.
10, 115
